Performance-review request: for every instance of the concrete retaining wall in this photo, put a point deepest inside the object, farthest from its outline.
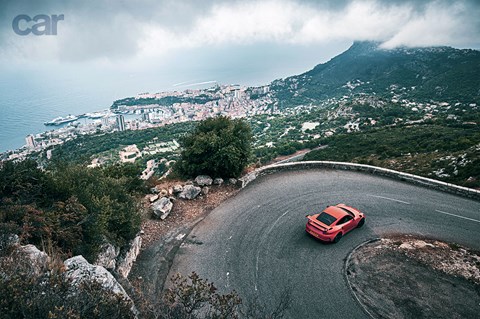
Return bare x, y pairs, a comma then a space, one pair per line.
414, 179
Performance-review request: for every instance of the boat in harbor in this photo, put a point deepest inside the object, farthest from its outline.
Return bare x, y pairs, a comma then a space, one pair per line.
61, 120
97, 115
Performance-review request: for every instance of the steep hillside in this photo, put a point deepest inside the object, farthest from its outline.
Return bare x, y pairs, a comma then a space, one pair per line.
435, 73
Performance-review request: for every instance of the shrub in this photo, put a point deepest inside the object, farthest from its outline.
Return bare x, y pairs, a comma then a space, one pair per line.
73, 207
217, 147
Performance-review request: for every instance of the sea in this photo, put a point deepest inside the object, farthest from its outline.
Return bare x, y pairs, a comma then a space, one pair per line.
36, 92
27, 101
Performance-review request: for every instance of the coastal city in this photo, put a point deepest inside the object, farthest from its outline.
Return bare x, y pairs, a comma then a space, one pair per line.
231, 100
150, 110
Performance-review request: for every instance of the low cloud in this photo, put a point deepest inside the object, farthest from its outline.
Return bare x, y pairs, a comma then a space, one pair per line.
119, 30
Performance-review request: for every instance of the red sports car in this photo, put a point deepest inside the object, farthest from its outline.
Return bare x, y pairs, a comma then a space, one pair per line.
334, 222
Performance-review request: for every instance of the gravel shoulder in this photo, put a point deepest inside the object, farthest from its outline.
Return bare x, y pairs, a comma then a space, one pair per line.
162, 238
411, 277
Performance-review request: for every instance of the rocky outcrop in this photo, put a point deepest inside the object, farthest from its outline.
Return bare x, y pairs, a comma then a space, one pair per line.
31, 256
107, 256
162, 208
203, 180
79, 270
190, 192
126, 262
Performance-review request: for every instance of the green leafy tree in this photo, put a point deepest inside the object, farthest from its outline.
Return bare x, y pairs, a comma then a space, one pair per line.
217, 147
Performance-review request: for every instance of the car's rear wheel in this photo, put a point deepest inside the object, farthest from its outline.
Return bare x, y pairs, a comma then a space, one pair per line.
361, 222
337, 238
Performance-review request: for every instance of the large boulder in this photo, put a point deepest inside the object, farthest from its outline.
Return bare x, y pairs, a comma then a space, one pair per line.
203, 180
162, 208
126, 262
79, 270
107, 256
190, 192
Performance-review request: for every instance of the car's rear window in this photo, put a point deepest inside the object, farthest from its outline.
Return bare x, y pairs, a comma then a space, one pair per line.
325, 218
347, 211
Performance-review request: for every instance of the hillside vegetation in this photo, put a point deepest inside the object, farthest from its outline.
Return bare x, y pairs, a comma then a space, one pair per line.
69, 208
448, 153
424, 74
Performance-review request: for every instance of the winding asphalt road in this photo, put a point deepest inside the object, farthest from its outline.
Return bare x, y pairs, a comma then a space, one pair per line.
255, 243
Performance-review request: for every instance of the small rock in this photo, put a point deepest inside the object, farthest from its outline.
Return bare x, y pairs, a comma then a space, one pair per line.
162, 208
152, 198
218, 181
189, 183
190, 192
419, 244
177, 189
205, 190
406, 246
203, 180
232, 181
163, 192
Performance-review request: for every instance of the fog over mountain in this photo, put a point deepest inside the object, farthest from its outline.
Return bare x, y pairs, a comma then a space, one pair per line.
123, 31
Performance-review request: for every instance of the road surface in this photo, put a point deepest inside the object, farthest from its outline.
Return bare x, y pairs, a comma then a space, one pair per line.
255, 243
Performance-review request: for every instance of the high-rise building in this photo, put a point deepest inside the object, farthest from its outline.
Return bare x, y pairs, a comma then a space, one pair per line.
105, 121
121, 122
30, 140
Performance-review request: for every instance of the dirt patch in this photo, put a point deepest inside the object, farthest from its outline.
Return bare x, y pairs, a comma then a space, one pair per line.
161, 238
183, 212
409, 277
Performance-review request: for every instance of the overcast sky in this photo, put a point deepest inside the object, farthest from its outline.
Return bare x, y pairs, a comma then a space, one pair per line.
288, 35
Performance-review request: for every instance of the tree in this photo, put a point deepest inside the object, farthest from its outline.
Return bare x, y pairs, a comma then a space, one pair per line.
217, 147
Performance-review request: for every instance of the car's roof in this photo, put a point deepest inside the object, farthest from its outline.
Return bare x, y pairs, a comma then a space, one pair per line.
335, 211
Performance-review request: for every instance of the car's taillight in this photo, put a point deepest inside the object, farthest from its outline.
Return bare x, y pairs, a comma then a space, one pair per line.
326, 231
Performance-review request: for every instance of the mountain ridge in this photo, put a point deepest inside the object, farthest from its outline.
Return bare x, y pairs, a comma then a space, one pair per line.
430, 73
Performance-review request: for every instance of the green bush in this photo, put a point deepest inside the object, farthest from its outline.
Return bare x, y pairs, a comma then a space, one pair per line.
217, 147
73, 207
